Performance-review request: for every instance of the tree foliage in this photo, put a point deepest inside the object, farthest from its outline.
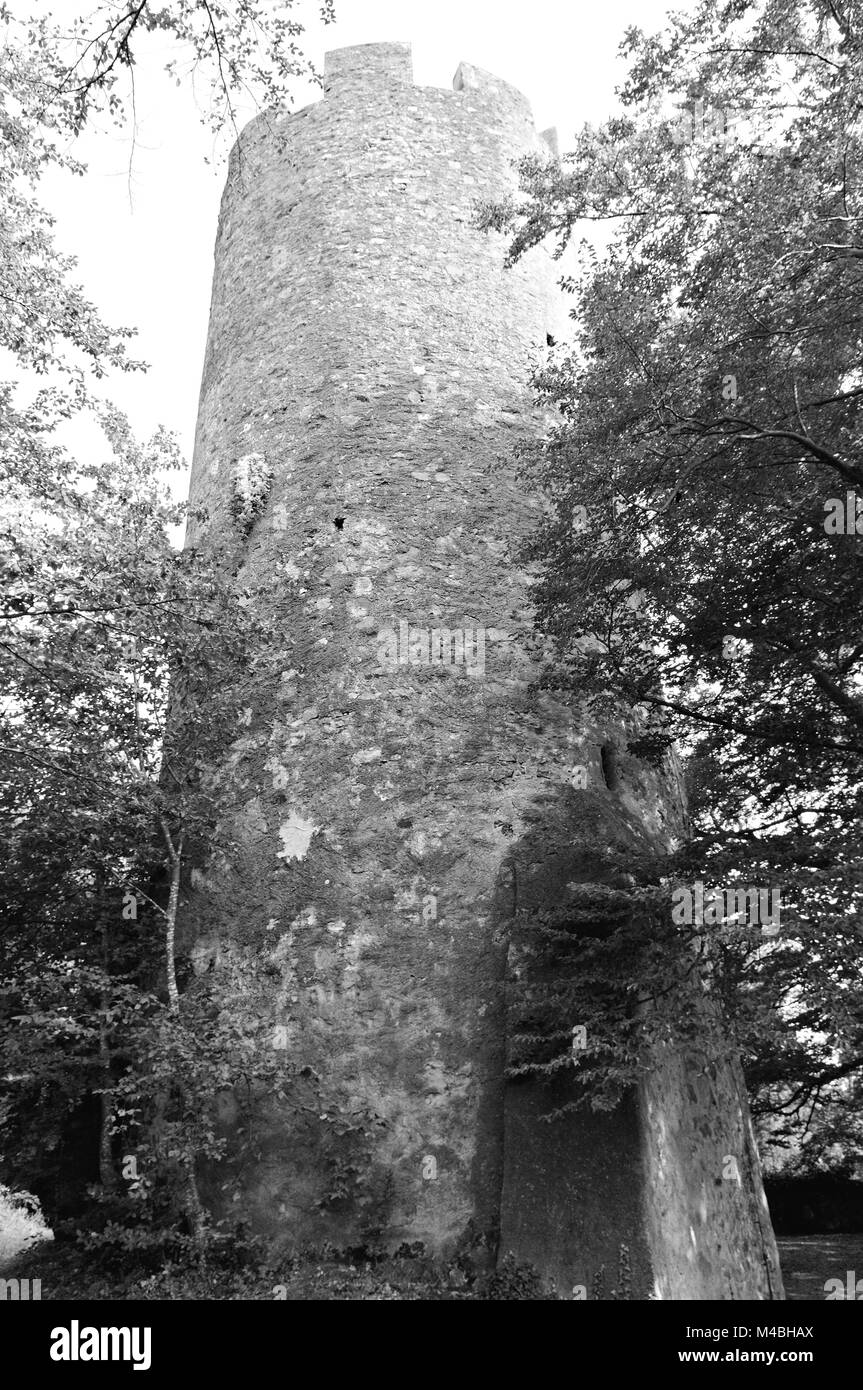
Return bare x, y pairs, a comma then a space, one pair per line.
230, 48
120, 659
693, 565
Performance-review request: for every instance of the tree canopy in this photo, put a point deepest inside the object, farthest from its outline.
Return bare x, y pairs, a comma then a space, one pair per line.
117, 659
701, 560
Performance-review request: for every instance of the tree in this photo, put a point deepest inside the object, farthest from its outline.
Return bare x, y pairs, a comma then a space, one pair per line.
107, 636
235, 46
702, 559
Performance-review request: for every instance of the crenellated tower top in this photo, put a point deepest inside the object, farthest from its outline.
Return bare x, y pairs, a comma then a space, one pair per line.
356, 70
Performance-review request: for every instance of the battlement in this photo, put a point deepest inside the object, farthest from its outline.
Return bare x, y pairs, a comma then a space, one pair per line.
550, 137
367, 65
470, 79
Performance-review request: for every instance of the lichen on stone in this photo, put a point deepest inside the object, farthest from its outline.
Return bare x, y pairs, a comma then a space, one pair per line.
251, 480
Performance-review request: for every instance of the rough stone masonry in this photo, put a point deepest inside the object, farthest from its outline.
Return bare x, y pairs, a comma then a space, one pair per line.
402, 794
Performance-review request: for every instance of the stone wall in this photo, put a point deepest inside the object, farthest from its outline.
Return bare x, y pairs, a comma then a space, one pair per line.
393, 814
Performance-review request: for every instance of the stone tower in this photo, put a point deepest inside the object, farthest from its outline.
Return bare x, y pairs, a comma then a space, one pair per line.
402, 791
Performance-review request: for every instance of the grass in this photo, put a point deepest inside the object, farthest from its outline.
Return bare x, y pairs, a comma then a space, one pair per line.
67, 1271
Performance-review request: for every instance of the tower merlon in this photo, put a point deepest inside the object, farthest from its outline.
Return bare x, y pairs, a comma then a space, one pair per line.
368, 63
472, 79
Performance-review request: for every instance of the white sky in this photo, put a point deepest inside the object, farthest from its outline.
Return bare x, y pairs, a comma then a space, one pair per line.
144, 241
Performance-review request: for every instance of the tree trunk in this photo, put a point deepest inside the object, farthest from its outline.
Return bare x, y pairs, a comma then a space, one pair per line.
107, 1173
194, 1208
171, 917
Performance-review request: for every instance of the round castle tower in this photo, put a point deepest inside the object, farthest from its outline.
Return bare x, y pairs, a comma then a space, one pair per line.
402, 792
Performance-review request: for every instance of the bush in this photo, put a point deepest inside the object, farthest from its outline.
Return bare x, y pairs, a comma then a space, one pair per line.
21, 1224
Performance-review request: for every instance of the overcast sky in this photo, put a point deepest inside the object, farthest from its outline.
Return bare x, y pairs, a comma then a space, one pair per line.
144, 238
